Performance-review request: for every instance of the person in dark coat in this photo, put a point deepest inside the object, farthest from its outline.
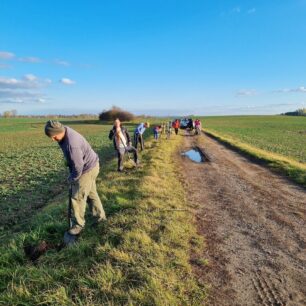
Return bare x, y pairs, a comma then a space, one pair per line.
122, 143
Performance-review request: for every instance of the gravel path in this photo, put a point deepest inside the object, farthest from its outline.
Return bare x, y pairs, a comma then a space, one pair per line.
253, 222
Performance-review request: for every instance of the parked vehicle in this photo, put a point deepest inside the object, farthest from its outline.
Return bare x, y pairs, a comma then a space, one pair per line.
186, 123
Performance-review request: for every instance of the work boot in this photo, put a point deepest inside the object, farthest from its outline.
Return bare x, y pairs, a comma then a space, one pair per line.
75, 230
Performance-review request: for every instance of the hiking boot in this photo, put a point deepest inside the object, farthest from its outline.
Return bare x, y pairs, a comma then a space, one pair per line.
75, 230
137, 162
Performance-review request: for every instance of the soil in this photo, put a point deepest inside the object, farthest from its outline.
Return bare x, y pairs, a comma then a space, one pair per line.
253, 223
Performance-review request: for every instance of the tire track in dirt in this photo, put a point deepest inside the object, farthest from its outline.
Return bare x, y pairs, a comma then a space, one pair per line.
253, 222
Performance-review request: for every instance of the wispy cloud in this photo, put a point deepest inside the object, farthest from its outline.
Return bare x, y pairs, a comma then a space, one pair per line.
30, 77
61, 62
286, 90
251, 11
67, 81
246, 92
238, 10
24, 90
30, 59
28, 81
5, 55
10, 93
17, 96
4, 66
14, 83
235, 10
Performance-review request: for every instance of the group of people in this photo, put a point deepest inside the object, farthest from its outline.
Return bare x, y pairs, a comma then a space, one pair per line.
166, 129
83, 162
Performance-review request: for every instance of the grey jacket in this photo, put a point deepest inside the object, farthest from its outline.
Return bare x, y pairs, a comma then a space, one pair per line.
80, 157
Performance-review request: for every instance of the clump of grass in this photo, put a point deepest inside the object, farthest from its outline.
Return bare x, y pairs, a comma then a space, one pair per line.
140, 256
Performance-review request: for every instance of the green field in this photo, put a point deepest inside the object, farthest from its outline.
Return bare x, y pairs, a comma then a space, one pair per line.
139, 256
283, 135
32, 167
279, 140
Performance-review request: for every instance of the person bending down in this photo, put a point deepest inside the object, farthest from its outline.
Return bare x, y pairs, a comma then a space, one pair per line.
122, 143
157, 131
83, 163
138, 134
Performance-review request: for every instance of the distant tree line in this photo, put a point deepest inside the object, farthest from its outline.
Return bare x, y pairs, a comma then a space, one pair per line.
13, 113
114, 113
298, 112
106, 115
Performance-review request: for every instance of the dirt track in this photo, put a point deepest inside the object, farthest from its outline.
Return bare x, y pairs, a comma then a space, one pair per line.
253, 222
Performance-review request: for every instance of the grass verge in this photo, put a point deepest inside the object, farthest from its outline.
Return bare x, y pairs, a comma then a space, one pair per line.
290, 168
140, 256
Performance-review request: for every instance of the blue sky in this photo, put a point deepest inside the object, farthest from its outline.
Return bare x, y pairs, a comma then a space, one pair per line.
157, 57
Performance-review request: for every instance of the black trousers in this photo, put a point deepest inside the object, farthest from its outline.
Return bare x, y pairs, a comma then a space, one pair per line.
122, 151
176, 131
138, 139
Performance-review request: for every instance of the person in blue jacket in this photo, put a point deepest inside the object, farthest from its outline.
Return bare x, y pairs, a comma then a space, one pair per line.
138, 134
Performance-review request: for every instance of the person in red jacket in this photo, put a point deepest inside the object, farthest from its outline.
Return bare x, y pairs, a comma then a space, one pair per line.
176, 126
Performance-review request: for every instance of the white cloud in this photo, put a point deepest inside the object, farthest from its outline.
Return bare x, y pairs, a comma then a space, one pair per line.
67, 81
6, 55
30, 59
13, 83
286, 90
246, 92
61, 62
252, 11
29, 81
30, 77
18, 96
24, 90
301, 89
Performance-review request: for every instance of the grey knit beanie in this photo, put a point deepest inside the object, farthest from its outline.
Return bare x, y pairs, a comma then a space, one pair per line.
53, 128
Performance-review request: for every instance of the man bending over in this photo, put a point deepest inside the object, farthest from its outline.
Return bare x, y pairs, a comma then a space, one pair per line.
138, 134
83, 163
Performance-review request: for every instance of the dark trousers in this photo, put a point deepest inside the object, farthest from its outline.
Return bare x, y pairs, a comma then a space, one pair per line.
138, 139
156, 135
122, 151
176, 131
